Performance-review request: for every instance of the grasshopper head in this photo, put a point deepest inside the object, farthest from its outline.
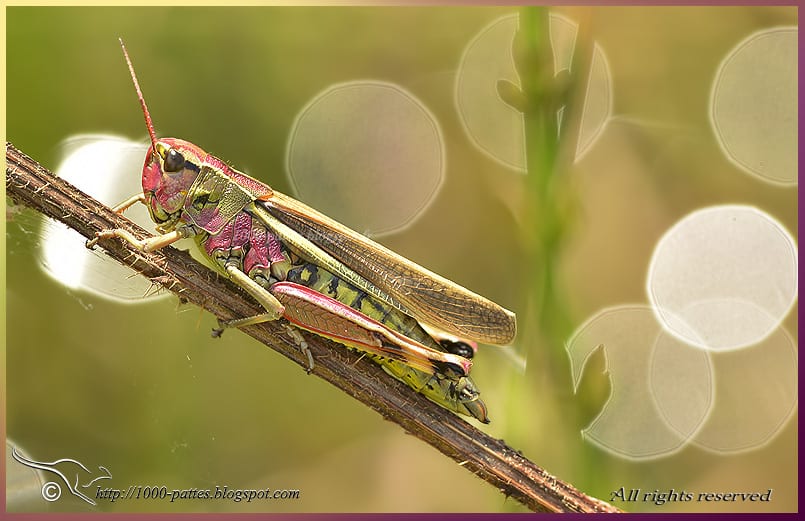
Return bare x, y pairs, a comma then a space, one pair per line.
171, 167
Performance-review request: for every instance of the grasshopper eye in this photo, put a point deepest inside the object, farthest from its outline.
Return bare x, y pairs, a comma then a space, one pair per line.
174, 161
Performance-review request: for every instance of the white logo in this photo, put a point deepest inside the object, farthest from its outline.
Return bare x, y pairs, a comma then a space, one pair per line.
73, 475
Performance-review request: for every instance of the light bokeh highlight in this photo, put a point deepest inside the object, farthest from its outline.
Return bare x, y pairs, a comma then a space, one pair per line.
369, 154
754, 105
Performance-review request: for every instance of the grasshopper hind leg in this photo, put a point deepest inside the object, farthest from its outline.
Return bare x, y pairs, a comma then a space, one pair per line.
267, 317
458, 347
300, 341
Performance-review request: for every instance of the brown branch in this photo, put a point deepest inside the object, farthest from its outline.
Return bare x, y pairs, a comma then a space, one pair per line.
32, 185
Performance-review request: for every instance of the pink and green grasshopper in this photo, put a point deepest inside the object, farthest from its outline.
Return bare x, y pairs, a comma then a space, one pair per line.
317, 274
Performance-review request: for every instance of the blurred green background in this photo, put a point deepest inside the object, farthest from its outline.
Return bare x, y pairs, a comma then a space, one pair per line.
144, 391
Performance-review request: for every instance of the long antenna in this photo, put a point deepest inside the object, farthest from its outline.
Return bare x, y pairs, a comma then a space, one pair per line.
148, 122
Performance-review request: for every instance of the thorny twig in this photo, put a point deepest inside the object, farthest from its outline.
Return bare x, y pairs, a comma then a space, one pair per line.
30, 184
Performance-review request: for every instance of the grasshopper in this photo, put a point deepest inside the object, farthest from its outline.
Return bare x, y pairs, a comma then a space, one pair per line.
315, 273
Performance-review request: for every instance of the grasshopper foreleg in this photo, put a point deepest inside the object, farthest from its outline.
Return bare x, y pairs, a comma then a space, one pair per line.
150, 244
131, 201
146, 245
